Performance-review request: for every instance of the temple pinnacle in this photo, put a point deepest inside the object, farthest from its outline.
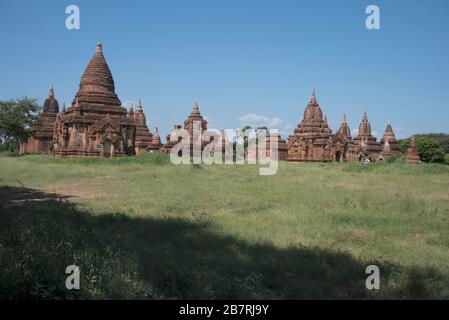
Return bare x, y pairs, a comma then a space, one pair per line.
51, 93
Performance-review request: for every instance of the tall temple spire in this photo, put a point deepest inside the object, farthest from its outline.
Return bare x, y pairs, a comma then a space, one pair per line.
344, 122
97, 85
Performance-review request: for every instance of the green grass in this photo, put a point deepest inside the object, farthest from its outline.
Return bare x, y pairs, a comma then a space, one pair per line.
140, 227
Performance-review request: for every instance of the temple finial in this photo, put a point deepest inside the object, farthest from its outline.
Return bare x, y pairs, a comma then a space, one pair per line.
365, 116
344, 119
139, 106
99, 47
51, 93
314, 93
195, 106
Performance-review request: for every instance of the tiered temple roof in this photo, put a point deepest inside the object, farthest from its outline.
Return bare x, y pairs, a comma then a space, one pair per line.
366, 143
309, 139
143, 135
155, 144
95, 124
390, 145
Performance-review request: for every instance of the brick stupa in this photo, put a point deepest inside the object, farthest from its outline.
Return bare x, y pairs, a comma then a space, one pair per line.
41, 135
389, 144
143, 135
412, 153
155, 144
95, 124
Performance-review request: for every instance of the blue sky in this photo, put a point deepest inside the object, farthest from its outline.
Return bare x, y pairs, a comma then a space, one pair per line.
247, 59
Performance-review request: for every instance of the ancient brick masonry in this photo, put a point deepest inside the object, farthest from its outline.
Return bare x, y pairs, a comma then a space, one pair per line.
143, 135
194, 119
389, 144
95, 124
412, 153
155, 144
366, 146
41, 135
313, 140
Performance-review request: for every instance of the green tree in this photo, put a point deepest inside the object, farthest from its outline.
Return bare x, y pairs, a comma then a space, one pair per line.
446, 158
16, 118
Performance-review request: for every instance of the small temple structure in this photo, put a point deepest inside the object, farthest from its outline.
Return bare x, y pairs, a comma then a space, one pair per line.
41, 134
311, 139
367, 148
282, 147
389, 144
342, 145
143, 136
412, 153
95, 124
196, 134
155, 144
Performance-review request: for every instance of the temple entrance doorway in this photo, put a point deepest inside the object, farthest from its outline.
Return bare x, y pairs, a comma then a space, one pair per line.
107, 149
338, 156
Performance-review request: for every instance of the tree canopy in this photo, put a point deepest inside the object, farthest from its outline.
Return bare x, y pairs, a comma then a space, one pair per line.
17, 116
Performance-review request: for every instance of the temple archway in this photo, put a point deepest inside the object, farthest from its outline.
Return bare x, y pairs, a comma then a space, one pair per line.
338, 156
107, 149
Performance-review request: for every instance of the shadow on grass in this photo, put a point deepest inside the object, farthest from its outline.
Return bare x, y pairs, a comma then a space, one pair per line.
122, 257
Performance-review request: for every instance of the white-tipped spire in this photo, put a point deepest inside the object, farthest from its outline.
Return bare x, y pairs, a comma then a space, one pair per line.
51, 94
99, 47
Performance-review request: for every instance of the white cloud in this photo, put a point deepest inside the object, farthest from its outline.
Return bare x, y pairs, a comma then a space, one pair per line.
256, 120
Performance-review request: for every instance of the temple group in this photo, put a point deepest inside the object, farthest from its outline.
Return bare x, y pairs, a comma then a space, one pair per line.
96, 124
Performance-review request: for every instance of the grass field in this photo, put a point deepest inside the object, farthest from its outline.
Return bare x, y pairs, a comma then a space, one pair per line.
143, 228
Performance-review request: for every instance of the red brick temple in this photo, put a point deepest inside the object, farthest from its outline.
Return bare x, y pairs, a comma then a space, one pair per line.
95, 124
313, 140
41, 135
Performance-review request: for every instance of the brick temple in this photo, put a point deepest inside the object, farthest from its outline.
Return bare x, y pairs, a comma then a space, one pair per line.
96, 124
41, 135
313, 140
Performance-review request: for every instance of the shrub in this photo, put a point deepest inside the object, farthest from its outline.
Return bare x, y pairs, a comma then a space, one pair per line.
390, 159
